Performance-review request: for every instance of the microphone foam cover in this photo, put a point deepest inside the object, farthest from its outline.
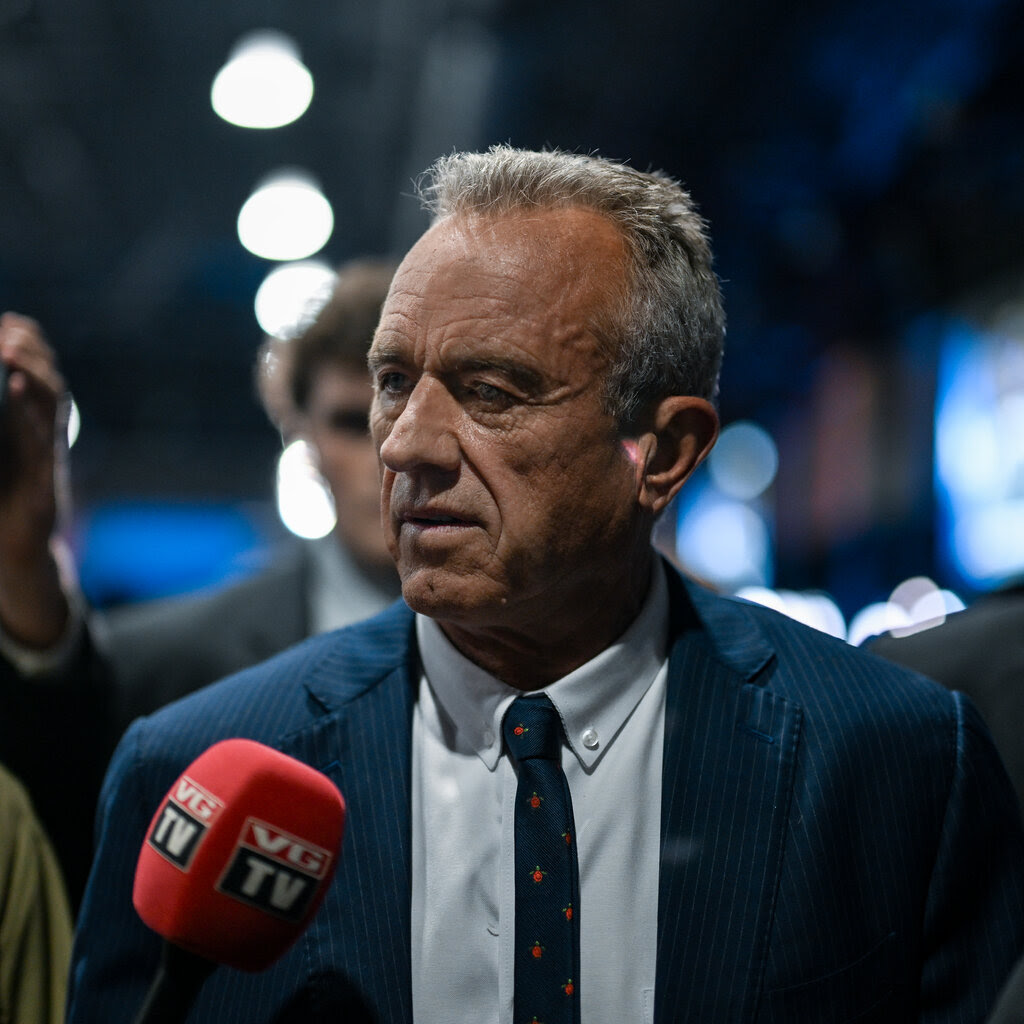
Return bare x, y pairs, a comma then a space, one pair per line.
239, 854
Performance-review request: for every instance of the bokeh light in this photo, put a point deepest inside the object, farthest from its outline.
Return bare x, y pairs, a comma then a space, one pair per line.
286, 218
878, 617
916, 604
724, 542
74, 423
291, 295
744, 461
264, 84
303, 501
979, 449
813, 609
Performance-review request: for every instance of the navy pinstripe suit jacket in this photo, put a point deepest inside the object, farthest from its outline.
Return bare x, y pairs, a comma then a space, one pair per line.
839, 839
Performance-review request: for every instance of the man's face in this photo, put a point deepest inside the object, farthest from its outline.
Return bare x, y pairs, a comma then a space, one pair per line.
336, 425
507, 496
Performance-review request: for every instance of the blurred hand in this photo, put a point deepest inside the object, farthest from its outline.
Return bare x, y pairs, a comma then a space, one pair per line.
33, 472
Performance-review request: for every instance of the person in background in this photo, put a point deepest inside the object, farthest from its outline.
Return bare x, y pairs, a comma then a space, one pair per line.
315, 387
978, 651
71, 678
579, 786
35, 920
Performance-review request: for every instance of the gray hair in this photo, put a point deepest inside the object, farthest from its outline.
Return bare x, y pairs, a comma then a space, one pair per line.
671, 333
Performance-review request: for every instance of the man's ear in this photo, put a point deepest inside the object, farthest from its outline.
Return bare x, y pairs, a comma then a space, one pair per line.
684, 429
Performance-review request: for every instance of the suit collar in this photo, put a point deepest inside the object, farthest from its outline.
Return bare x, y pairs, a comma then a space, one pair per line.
348, 669
734, 636
735, 639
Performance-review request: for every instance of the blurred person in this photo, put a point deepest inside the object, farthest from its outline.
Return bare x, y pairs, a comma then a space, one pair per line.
315, 387
979, 651
78, 677
35, 921
580, 787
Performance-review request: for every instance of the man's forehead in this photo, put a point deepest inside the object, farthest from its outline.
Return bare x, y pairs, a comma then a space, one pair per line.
537, 253
459, 242
517, 234
542, 282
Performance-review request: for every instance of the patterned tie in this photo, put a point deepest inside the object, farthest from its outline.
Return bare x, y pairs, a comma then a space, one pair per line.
547, 944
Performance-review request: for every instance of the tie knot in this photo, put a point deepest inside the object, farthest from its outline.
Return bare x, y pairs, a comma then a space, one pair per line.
532, 728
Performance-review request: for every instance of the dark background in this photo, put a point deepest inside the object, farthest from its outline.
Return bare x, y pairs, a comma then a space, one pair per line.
861, 164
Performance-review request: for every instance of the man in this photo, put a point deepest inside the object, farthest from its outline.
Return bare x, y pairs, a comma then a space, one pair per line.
313, 387
980, 652
765, 823
81, 687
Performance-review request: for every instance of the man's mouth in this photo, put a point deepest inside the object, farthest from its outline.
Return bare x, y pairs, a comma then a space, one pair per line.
429, 519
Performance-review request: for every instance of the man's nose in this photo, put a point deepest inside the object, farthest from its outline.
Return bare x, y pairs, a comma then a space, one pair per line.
425, 433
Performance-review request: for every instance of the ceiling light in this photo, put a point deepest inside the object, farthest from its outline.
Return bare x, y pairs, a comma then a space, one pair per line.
264, 84
286, 218
303, 502
291, 295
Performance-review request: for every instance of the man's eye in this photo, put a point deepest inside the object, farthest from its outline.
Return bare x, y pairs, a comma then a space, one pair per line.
490, 394
392, 382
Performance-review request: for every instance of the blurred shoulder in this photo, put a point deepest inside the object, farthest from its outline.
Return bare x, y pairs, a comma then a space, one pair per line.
821, 671
283, 695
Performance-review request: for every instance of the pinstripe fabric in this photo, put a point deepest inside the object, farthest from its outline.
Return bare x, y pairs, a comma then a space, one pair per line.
841, 846
839, 842
345, 710
724, 805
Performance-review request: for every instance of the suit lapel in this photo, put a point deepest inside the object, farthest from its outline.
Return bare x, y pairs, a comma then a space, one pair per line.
364, 746
730, 749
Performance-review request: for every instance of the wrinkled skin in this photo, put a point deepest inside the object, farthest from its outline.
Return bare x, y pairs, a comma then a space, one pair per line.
515, 511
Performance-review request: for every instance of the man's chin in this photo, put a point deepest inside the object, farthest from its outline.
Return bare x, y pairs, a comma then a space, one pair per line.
449, 596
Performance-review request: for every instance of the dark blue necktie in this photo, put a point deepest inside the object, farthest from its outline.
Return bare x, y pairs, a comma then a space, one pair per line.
547, 943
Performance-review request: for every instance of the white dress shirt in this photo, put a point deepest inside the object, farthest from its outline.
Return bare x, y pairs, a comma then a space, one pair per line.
463, 884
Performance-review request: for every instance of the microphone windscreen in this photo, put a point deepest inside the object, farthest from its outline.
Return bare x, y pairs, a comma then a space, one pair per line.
239, 854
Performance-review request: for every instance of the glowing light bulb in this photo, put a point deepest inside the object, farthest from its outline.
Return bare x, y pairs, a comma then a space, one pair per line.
286, 218
264, 84
303, 502
291, 295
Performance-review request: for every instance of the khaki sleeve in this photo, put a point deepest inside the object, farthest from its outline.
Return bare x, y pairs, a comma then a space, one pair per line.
35, 922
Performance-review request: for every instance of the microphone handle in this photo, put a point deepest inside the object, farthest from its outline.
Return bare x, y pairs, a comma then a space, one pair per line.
178, 980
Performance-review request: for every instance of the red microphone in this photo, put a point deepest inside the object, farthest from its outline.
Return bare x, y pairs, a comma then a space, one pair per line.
235, 863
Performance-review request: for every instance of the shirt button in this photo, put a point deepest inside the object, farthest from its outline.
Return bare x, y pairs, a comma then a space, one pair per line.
590, 739
488, 738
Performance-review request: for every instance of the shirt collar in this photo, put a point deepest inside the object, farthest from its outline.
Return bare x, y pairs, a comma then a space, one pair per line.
464, 705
